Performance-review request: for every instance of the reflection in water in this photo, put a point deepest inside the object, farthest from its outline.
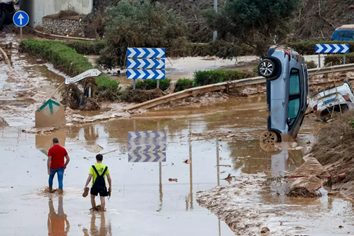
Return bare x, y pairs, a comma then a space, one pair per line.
45, 141
58, 224
90, 134
102, 230
160, 187
189, 199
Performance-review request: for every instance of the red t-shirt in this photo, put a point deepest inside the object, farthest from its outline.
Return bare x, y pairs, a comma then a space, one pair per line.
57, 153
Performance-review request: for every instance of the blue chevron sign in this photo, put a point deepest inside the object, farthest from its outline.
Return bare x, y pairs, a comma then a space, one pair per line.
147, 157
145, 74
147, 146
332, 48
146, 63
146, 53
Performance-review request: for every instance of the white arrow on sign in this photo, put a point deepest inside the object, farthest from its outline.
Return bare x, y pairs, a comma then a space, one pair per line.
20, 17
319, 48
328, 48
346, 48
337, 48
88, 73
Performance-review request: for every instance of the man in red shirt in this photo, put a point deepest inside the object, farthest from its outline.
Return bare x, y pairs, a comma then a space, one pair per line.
56, 164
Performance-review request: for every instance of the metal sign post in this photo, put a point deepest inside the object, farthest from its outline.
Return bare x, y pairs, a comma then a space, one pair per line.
331, 48
20, 19
146, 63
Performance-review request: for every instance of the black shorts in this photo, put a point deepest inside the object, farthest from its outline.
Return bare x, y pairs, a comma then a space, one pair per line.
103, 193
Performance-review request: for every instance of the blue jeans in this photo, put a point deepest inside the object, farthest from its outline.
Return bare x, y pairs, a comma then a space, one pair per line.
60, 172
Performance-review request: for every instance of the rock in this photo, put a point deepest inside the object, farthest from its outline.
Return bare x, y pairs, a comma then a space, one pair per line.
265, 230
172, 180
341, 176
310, 167
305, 187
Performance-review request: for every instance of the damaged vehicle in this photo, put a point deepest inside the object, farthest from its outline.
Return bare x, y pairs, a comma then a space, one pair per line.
333, 100
287, 90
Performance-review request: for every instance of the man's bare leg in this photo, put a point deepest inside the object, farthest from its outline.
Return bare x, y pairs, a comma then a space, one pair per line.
93, 202
103, 203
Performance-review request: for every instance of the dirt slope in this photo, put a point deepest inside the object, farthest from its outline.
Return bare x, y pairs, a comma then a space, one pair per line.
316, 20
335, 151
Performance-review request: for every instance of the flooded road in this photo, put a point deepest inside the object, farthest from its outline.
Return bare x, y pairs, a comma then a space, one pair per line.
144, 201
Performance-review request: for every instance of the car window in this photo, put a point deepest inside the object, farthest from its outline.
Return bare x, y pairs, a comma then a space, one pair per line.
348, 34
340, 34
294, 82
294, 106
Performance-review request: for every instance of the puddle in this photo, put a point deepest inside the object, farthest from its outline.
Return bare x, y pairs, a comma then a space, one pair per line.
163, 192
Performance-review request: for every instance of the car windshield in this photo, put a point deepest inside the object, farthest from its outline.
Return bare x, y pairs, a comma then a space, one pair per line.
294, 96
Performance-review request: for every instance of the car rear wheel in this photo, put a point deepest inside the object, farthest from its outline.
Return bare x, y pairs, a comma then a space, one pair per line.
269, 137
266, 68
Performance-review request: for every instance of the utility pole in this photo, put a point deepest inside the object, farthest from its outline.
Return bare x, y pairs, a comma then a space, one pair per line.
215, 33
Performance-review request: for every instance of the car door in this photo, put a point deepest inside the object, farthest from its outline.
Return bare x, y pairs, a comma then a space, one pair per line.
295, 99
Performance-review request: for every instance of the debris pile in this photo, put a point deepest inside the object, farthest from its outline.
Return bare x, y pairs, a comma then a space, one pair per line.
307, 178
140, 95
3, 123
74, 98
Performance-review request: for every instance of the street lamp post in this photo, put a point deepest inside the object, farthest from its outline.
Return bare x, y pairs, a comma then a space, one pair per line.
215, 33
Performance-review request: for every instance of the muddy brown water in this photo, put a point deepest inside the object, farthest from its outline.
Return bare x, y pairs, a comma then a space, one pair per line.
144, 201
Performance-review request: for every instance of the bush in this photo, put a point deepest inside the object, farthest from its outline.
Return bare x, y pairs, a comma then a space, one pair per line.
183, 84
149, 84
308, 48
84, 47
311, 64
216, 76
69, 61
338, 59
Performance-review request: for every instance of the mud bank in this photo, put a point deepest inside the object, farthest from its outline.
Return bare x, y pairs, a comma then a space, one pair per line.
334, 149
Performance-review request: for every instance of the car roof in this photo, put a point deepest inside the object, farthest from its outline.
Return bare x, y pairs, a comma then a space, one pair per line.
343, 27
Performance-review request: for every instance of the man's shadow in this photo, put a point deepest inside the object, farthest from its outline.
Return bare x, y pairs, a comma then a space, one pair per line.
58, 223
102, 230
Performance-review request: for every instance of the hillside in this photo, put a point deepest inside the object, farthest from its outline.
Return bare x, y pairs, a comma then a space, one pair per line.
315, 20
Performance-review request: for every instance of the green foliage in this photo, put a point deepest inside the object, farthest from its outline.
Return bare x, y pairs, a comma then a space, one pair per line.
216, 76
351, 124
136, 24
337, 59
253, 22
69, 61
183, 84
148, 84
308, 48
311, 64
85, 47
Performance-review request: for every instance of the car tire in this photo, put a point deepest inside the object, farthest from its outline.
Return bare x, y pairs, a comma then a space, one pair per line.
269, 137
267, 68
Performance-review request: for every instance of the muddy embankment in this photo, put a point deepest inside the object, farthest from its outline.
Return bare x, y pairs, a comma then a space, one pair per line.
334, 149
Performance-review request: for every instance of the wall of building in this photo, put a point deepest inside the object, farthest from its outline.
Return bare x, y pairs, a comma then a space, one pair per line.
36, 9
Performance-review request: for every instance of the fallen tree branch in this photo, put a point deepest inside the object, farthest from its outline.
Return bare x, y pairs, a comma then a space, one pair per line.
6, 58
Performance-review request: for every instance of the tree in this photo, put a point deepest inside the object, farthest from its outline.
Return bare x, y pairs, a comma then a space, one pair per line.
141, 24
253, 22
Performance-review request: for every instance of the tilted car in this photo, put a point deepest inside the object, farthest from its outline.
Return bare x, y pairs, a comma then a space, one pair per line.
333, 100
287, 89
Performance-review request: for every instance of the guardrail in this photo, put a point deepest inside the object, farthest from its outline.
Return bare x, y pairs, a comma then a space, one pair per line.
229, 84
